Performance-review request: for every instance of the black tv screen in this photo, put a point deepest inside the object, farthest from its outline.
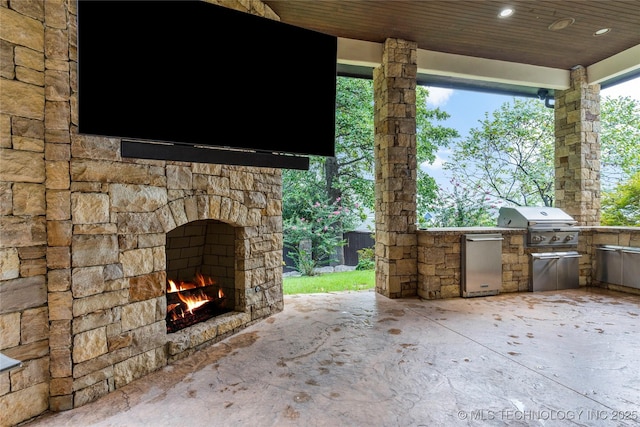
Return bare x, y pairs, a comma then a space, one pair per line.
191, 72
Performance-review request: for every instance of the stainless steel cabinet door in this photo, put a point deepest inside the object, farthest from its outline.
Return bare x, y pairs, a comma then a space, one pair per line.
481, 264
544, 273
631, 267
609, 265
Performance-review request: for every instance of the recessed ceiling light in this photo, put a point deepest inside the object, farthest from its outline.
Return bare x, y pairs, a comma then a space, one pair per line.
561, 24
601, 32
504, 13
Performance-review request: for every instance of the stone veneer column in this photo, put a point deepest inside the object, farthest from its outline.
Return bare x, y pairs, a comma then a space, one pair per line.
31, 66
395, 169
60, 100
577, 150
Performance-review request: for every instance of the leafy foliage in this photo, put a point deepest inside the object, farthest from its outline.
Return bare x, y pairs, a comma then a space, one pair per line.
349, 176
620, 140
430, 138
313, 237
346, 179
461, 207
510, 157
366, 259
622, 205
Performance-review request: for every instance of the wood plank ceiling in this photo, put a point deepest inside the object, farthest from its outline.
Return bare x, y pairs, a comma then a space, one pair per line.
472, 27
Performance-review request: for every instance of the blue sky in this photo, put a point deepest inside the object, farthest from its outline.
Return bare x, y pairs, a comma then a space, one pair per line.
468, 108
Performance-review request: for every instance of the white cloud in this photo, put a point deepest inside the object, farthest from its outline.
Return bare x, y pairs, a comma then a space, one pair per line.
629, 88
438, 96
437, 163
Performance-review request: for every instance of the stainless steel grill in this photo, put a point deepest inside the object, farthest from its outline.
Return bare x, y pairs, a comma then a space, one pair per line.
546, 226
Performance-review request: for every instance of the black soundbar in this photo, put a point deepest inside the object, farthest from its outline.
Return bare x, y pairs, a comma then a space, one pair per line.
191, 153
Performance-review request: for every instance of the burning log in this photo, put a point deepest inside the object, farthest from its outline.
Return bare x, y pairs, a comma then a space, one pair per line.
189, 303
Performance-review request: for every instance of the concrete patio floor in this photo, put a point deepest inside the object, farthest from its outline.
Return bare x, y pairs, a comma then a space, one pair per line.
559, 358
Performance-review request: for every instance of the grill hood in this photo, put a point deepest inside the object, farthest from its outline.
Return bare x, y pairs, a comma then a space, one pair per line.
530, 216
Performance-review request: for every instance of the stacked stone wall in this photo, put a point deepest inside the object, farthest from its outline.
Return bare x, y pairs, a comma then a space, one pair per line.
82, 230
34, 75
440, 261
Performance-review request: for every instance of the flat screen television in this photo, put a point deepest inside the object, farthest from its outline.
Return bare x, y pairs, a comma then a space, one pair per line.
195, 73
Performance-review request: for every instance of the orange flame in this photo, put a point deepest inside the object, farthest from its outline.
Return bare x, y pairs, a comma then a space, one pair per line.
194, 301
202, 281
199, 282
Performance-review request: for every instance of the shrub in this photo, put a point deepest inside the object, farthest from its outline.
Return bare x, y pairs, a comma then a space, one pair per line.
312, 240
366, 259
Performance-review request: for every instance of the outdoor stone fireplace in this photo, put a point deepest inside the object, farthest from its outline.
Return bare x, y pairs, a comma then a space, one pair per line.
90, 238
134, 225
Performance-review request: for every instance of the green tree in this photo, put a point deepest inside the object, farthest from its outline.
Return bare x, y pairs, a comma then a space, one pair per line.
622, 205
510, 157
430, 137
619, 140
460, 206
349, 176
312, 238
346, 178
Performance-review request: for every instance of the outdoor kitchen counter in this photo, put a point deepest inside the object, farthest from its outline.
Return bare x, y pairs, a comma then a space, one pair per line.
439, 260
439, 257
465, 230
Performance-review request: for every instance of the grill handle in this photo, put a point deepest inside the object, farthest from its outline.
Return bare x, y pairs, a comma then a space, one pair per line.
555, 255
484, 239
631, 251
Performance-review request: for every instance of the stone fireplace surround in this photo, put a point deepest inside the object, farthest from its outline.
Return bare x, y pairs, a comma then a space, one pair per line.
84, 232
107, 260
107, 308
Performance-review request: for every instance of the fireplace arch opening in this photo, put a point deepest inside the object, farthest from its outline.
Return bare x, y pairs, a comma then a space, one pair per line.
201, 273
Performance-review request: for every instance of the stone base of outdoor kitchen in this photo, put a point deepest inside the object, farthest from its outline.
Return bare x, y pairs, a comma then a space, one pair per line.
439, 258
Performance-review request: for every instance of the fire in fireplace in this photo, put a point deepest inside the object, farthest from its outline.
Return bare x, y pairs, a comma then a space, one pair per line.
189, 303
201, 268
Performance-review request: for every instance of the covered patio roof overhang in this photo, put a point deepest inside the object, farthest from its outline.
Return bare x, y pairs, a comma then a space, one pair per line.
465, 44
357, 58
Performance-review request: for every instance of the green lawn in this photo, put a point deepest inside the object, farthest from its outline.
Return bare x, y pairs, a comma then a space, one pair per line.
356, 280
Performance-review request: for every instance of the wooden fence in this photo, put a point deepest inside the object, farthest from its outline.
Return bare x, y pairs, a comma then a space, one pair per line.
356, 240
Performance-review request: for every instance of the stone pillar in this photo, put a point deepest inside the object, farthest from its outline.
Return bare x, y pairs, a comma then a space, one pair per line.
577, 149
395, 170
